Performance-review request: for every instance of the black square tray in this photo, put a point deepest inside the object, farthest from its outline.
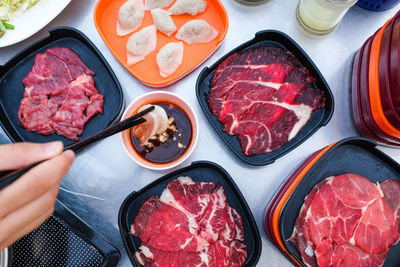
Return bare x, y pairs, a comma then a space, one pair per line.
204, 171
352, 155
318, 118
16, 69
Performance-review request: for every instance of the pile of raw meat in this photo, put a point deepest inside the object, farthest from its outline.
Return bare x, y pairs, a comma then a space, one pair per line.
262, 96
191, 224
348, 221
60, 96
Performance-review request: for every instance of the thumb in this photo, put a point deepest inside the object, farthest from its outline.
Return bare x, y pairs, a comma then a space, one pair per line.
19, 155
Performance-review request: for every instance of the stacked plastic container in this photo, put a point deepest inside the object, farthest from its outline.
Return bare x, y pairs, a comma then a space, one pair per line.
352, 155
376, 85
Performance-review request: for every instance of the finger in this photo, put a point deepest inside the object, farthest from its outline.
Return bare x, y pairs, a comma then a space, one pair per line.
24, 217
27, 229
34, 183
20, 155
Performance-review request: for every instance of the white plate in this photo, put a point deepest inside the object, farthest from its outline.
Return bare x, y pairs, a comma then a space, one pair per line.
33, 20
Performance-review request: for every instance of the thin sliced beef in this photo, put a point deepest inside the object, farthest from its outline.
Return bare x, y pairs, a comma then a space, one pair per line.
191, 196
164, 227
300, 236
219, 254
262, 96
391, 192
191, 224
60, 95
218, 222
343, 220
347, 255
54, 69
206, 205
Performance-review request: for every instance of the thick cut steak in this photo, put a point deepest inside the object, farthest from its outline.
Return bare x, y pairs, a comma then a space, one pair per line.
60, 95
190, 224
262, 96
345, 219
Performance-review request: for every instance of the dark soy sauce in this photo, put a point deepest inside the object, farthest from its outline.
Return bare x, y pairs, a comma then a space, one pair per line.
168, 151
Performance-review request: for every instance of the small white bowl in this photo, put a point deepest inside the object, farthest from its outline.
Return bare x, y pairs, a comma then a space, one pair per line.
152, 97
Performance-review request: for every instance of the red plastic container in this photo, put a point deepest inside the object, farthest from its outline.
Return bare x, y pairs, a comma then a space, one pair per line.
395, 65
364, 100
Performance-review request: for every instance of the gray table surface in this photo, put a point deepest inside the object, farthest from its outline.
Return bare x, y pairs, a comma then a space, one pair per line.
108, 175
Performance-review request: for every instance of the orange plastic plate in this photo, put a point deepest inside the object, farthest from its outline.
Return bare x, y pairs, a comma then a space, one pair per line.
146, 71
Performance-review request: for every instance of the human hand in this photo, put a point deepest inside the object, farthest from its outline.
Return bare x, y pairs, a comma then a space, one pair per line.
29, 201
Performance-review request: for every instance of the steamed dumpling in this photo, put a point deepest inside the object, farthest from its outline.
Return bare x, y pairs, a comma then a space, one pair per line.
191, 7
140, 44
156, 123
169, 58
130, 16
163, 21
151, 4
196, 31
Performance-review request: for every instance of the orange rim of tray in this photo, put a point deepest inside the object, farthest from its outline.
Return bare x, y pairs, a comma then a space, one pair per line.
146, 71
374, 90
285, 197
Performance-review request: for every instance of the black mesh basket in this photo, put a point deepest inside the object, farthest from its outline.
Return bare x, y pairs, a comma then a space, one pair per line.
62, 240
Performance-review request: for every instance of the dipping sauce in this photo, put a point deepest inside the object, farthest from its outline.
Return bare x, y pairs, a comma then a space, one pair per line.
178, 140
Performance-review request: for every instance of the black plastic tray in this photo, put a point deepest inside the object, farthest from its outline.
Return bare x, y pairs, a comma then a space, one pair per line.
110, 254
319, 118
204, 171
15, 70
351, 155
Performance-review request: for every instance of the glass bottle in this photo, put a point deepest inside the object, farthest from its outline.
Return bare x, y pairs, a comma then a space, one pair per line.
322, 16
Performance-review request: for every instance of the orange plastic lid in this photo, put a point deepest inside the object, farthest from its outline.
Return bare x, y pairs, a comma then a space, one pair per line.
281, 204
147, 71
374, 91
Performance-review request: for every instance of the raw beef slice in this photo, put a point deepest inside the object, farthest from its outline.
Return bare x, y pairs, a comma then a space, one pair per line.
218, 254
205, 205
263, 97
164, 227
391, 192
343, 220
60, 95
191, 224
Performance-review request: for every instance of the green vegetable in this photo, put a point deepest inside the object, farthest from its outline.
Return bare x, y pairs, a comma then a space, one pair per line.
10, 9
8, 26
2, 29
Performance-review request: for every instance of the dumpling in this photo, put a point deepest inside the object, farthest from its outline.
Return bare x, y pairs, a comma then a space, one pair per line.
130, 16
163, 21
151, 4
156, 123
191, 7
169, 58
196, 31
140, 44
